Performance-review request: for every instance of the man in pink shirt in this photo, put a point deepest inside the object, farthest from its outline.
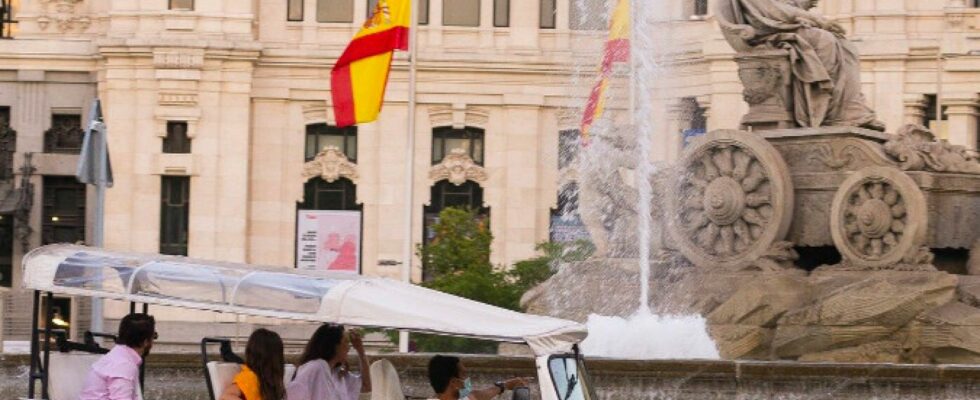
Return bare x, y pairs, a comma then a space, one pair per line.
116, 375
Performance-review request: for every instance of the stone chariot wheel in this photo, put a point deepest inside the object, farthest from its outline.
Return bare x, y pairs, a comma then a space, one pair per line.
732, 199
878, 216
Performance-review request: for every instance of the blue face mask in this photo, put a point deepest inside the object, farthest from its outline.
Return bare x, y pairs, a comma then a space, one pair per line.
467, 389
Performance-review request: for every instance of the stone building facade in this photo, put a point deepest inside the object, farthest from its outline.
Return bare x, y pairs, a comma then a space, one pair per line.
218, 110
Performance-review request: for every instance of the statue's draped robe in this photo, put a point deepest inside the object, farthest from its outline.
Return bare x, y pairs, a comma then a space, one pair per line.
825, 68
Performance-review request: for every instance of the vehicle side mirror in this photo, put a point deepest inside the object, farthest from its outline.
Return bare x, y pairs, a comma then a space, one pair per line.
522, 393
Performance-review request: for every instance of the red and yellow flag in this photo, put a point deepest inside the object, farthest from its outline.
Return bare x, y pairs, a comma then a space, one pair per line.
359, 79
617, 50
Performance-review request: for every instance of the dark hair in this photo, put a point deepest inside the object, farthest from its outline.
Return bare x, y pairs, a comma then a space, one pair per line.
323, 344
442, 369
136, 329
263, 355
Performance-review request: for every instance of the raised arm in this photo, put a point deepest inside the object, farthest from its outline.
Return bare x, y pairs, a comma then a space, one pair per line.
358, 344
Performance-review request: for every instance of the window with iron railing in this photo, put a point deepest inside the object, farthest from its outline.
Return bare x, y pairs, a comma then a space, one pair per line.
63, 210
294, 10
65, 135
446, 139
175, 194
319, 136
341, 11
700, 8
177, 141
182, 5
501, 13
548, 12
461, 13
8, 145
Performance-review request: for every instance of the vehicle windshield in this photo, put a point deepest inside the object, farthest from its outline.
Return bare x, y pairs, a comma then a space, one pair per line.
571, 381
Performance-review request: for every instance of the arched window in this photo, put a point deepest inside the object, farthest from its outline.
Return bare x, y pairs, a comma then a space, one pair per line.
340, 194
445, 194
446, 139
319, 136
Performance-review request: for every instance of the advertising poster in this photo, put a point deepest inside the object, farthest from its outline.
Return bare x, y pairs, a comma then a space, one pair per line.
328, 240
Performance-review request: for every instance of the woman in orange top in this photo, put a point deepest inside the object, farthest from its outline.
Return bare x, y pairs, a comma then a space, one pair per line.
261, 377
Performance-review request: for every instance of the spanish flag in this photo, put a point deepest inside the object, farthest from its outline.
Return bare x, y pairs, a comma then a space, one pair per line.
617, 50
359, 79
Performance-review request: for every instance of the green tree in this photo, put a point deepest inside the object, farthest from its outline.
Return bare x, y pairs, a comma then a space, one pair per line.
457, 261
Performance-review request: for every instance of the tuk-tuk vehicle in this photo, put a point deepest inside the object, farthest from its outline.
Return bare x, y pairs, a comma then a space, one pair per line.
291, 294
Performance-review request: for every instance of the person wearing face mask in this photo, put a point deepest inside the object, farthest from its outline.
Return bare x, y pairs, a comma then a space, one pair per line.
115, 376
323, 372
450, 381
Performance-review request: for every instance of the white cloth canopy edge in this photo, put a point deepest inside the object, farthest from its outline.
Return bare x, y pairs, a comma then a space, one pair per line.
356, 301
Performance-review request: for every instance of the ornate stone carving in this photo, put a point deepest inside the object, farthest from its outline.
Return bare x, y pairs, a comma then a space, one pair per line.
734, 201
64, 136
761, 82
826, 155
879, 219
178, 99
457, 168
330, 164
25, 201
178, 60
917, 149
8, 145
64, 15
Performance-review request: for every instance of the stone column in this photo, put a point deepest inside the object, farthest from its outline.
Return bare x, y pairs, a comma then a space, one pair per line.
915, 109
675, 127
519, 206
435, 24
962, 119
524, 21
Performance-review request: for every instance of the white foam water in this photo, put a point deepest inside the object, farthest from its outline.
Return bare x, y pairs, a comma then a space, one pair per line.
649, 337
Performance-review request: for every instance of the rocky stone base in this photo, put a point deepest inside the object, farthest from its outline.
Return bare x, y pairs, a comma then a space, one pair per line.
829, 315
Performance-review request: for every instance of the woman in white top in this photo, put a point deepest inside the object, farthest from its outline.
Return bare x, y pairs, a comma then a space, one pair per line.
323, 372
450, 381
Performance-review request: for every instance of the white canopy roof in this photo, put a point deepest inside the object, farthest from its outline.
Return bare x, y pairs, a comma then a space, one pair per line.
339, 298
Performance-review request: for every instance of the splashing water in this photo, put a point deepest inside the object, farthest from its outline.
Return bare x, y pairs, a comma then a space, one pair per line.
649, 337
644, 335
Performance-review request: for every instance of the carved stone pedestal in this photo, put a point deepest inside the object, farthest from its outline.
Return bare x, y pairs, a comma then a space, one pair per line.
768, 90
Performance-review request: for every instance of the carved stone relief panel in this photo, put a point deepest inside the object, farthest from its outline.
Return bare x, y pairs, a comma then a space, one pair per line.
63, 15
330, 164
457, 168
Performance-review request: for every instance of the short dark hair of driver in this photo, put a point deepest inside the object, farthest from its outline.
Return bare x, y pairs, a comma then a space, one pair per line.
136, 329
442, 369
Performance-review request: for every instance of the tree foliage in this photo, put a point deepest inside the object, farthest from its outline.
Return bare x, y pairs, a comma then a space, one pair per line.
457, 261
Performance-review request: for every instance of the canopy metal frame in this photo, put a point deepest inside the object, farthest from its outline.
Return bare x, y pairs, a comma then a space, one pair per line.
41, 349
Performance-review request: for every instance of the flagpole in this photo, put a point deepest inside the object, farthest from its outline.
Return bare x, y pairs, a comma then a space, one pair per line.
410, 159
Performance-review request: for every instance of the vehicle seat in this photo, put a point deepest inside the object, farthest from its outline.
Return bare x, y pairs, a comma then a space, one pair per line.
67, 373
385, 384
223, 374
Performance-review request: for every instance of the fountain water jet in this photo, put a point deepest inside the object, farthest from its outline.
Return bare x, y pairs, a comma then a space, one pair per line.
621, 159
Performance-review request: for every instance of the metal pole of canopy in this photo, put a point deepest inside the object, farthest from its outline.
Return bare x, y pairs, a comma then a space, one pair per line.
49, 315
35, 347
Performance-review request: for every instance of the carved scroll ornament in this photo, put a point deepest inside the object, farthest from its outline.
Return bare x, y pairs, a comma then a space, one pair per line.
330, 164
457, 168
